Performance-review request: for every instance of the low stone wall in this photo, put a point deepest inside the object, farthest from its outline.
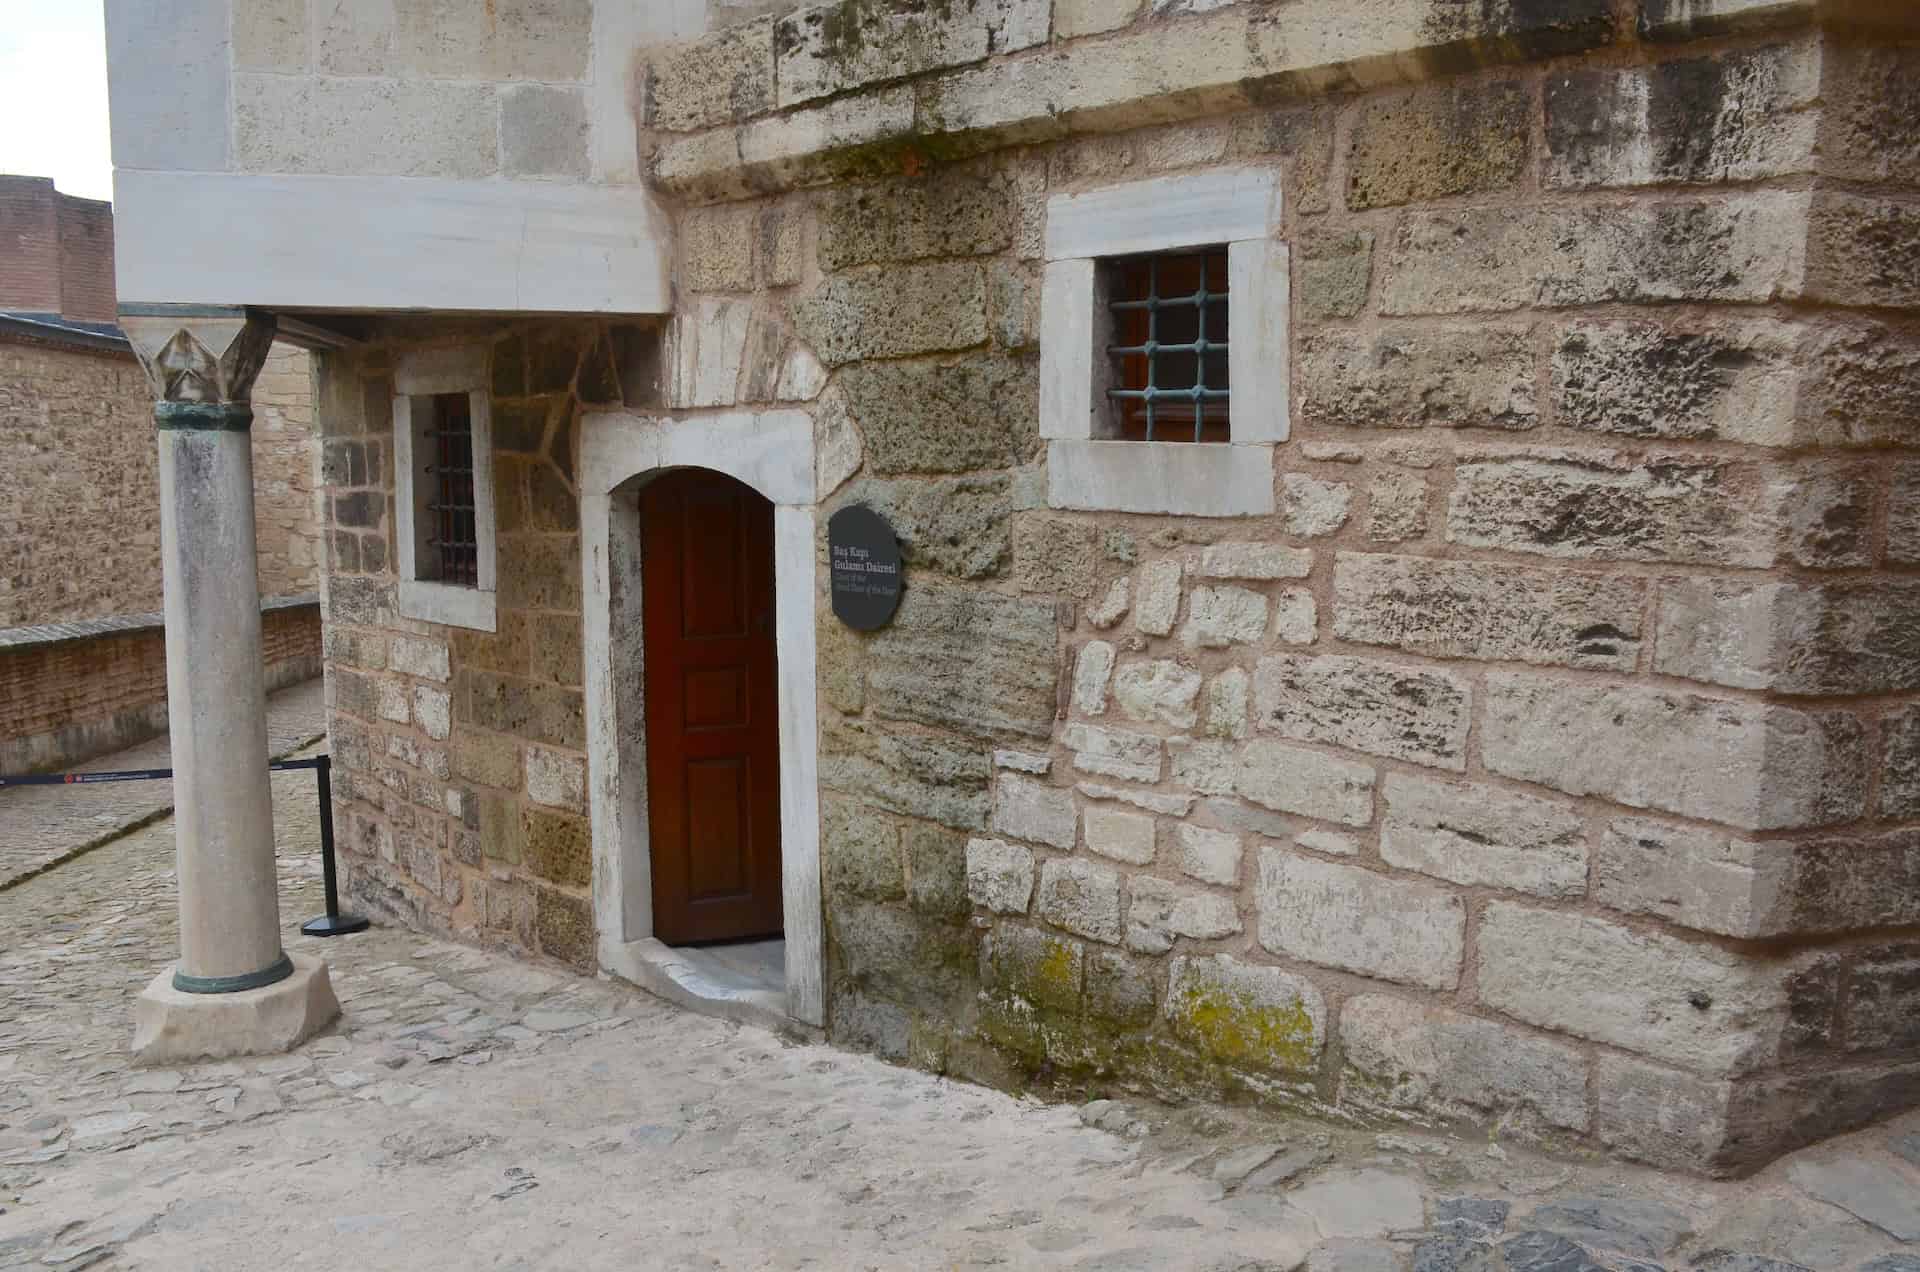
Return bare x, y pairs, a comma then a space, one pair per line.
73, 691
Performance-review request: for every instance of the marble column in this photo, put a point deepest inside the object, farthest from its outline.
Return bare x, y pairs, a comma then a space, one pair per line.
234, 990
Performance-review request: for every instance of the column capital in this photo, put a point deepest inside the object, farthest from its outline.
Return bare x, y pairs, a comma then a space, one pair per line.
201, 361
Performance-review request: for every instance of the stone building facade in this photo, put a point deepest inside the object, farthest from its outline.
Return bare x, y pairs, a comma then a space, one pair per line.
1512, 718
80, 643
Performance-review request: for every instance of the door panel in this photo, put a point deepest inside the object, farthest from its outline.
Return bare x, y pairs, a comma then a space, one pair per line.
713, 743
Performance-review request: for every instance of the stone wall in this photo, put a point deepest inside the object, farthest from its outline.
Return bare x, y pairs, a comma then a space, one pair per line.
80, 516
1549, 759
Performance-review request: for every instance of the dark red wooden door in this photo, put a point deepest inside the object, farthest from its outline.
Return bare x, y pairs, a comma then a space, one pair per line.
713, 739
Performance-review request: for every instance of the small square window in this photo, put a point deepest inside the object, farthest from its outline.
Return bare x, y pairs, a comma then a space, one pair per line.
1168, 346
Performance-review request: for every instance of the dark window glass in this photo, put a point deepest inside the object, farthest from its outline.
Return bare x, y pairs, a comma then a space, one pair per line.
452, 524
1170, 346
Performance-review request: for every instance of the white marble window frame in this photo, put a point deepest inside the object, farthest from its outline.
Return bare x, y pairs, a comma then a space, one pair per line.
418, 377
1237, 207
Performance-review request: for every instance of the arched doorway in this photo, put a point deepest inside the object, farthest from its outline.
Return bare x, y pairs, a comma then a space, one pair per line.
712, 713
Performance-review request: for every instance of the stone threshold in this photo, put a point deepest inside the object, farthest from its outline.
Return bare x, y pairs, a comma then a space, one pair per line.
702, 982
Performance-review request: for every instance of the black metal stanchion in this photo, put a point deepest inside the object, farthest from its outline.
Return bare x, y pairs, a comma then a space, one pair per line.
332, 923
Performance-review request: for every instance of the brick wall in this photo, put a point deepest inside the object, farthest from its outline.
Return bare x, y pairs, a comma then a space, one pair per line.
71, 695
56, 251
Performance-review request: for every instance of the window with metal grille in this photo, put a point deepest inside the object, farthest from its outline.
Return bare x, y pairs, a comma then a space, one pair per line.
1169, 348
452, 531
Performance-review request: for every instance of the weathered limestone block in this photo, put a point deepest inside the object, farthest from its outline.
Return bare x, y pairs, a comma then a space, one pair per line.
1090, 17
830, 48
1292, 779
563, 922
1058, 556
427, 659
1226, 709
957, 525
1256, 561
918, 417
1903, 515
1211, 768
940, 779
306, 125
1121, 990
1458, 609
1330, 842
1311, 508
1033, 810
1742, 117
1697, 1006
1158, 692
1396, 507
1871, 95
556, 780
999, 875
543, 131
1238, 816
1081, 898
1712, 882
1296, 616
1483, 836
1414, 1056
1112, 605
1158, 601
1159, 912
1211, 856
1123, 836
1404, 713
1333, 271
900, 957
1883, 999
927, 308
1644, 379
1113, 752
1900, 762
1863, 251
975, 661
1860, 386
1746, 764
1359, 920
1246, 1016
1685, 509
965, 211
1852, 638
1039, 967
861, 852
1091, 671
1419, 377
1748, 247
1432, 142
936, 870
1221, 616
720, 79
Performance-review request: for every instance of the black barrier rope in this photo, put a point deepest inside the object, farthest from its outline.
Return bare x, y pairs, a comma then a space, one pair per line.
332, 923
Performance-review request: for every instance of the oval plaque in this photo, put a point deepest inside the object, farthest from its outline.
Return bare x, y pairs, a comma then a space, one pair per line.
863, 557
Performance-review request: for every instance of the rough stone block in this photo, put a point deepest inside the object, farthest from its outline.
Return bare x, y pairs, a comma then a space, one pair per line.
1246, 1016
1396, 507
1791, 638
1746, 116
1334, 270
966, 211
1871, 95
427, 659
935, 778
1414, 1056
1483, 836
904, 958
956, 525
1033, 810
1697, 1006
1330, 842
1045, 970
1747, 247
564, 924
1159, 912
1310, 508
1750, 765
543, 131
1121, 990
916, 417
936, 870
1419, 377
927, 308
1257, 561
1055, 555
1359, 920
1158, 601
1227, 698
1158, 692
717, 246
978, 662
1903, 515
1211, 856
1113, 752
1433, 142
720, 79
559, 847
831, 48
1127, 837
1900, 762
1207, 767
1457, 609
171, 1027
538, 713
1073, 18
1863, 251
860, 851
1092, 668
1081, 898
1712, 882
428, 128
1401, 712
1292, 779
270, 35
1221, 616
999, 875
1731, 381
1859, 385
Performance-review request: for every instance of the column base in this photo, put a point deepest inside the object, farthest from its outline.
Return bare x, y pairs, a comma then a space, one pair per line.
174, 1027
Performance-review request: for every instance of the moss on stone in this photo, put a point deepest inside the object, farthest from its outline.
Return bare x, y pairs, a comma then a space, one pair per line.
1235, 1027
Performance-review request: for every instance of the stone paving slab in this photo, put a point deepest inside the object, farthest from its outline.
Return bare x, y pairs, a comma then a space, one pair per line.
475, 1110
42, 826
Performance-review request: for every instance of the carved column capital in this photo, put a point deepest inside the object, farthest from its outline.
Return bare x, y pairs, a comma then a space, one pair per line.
200, 361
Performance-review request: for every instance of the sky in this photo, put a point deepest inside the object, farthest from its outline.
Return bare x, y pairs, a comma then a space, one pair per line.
53, 94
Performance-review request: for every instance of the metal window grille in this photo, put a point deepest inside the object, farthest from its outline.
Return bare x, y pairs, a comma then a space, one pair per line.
1170, 351
453, 529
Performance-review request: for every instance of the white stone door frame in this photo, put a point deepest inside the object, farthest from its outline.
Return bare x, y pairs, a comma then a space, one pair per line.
771, 451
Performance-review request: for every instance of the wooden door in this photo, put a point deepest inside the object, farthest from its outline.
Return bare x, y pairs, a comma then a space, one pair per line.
713, 738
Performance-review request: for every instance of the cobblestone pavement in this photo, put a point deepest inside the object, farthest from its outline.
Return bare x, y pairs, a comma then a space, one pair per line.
474, 1111
42, 826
